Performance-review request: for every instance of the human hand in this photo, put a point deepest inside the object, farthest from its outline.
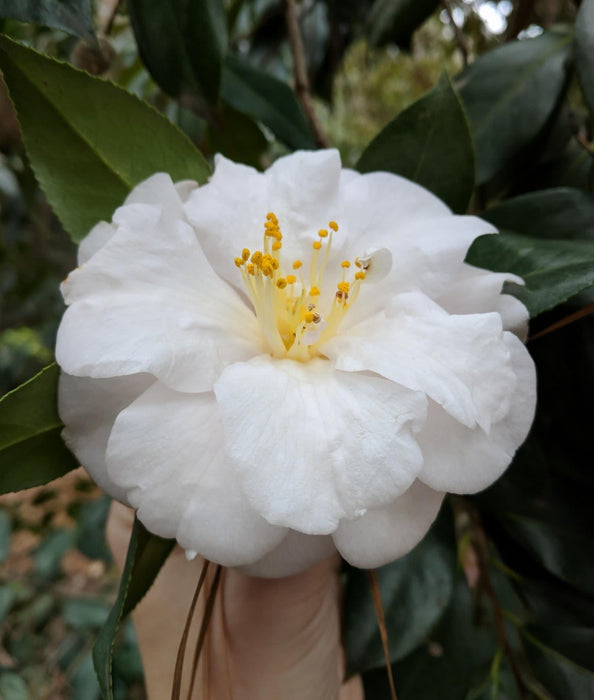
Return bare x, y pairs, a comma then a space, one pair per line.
268, 638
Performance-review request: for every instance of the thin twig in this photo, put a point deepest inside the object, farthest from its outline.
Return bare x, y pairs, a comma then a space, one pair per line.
206, 617
300, 72
110, 17
381, 621
481, 548
575, 316
460, 38
181, 652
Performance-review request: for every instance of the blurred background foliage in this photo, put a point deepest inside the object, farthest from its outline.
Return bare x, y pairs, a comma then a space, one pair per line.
498, 600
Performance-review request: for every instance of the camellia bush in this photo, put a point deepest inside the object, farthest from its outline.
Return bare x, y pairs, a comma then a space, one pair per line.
281, 341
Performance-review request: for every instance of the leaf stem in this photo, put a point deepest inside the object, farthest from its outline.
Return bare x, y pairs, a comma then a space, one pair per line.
576, 316
300, 72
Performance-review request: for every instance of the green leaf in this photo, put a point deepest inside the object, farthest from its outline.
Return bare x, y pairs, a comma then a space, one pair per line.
584, 50
573, 642
237, 137
268, 100
415, 593
429, 143
553, 270
183, 43
5, 535
73, 16
88, 141
559, 550
31, 449
13, 687
455, 659
394, 21
146, 555
510, 93
564, 678
563, 213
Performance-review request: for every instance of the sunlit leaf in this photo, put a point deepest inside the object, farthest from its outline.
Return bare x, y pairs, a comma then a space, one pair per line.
88, 141
31, 449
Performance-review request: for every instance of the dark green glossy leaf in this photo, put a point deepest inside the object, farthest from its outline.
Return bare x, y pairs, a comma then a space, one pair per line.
237, 137
73, 16
146, 555
562, 213
31, 449
575, 643
553, 270
510, 93
562, 677
415, 592
455, 660
183, 44
428, 143
584, 50
268, 100
394, 21
559, 550
88, 141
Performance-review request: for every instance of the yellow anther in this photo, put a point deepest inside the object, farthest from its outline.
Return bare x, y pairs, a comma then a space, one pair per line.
239, 261
322, 233
345, 263
291, 279
357, 263
360, 275
344, 287
314, 292
256, 257
317, 245
275, 264
333, 225
277, 245
271, 217
251, 269
309, 317
281, 282
297, 264
245, 254
266, 269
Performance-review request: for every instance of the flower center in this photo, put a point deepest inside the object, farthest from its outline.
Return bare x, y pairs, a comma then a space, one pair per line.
286, 304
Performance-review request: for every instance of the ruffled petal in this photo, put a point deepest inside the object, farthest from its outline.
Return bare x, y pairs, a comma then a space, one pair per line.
94, 241
479, 291
312, 446
88, 409
464, 460
166, 451
296, 553
385, 534
148, 301
461, 362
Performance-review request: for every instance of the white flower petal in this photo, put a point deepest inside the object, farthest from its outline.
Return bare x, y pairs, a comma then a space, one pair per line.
463, 460
461, 362
158, 190
296, 553
167, 452
88, 409
479, 291
94, 241
312, 446
384, 534
148, 301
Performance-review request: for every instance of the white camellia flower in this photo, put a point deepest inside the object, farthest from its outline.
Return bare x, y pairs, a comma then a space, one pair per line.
276, 365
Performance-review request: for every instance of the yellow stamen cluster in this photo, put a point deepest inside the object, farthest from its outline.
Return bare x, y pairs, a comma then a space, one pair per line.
286, 304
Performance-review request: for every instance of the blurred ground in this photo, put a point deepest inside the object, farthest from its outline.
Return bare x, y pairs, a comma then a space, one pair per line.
57, 584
